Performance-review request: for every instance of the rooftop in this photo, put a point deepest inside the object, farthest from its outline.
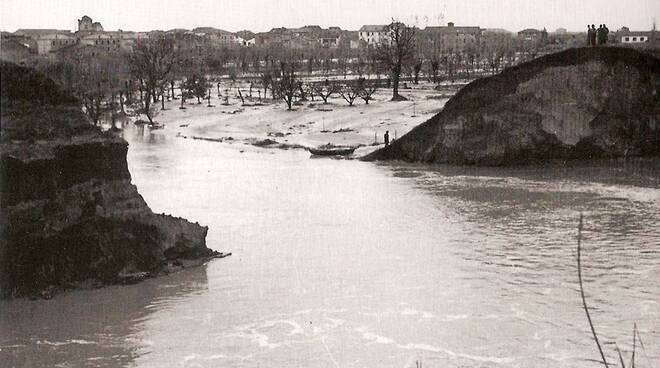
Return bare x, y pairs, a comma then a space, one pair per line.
373, 28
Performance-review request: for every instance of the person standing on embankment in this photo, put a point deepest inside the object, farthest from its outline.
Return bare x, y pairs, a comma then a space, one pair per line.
591, 34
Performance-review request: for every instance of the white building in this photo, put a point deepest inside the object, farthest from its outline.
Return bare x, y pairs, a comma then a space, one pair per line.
635, 37
372, 34
626, 36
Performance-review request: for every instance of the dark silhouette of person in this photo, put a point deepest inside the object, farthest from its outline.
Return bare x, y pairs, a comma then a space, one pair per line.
599, 34
387, 137
592, 36
588, 35
606, 33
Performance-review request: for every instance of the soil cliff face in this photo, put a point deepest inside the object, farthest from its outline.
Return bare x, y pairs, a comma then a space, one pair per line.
69, 213
579, 103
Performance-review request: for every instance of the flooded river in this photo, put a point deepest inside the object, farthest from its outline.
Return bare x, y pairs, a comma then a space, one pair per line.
349, 264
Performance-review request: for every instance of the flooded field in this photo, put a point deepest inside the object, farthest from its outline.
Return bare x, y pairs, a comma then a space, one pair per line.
342, 263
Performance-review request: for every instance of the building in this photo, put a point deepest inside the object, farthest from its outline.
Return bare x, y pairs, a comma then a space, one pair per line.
86, 24
628, 37
46, 40
306, 37
89, 33
103, 40
330, 38
81, 51
13, 50
349, 40
494, 31
113, 40
274, 37
219, 37
531, 34
451, 37
372, 35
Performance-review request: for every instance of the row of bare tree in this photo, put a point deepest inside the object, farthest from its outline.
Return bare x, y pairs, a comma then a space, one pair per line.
290, 89
154, 68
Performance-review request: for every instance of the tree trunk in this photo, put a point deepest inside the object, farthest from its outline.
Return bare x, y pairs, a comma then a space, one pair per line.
396, 72
121, 102
240, 95
147, 107
288, 98
112, 110
172, 89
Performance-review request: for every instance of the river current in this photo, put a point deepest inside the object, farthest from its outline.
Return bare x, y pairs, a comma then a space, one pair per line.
341, 263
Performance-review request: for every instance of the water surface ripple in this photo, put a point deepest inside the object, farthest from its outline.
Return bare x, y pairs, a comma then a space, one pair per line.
352, 264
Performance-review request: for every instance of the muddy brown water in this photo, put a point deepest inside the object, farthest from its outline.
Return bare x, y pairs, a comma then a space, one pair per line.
342, 263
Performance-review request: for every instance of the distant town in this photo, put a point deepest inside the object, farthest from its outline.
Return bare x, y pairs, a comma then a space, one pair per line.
466, 44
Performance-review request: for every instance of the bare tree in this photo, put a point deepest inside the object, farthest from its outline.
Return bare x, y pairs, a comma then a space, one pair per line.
325, 90
266, 81
349, 92
95, 79
397, 51
471, 55
449, 61
434, 65
366, 89
197, 86
91, 88
152, 62
417, 68
287, 86
302, 89
359, 65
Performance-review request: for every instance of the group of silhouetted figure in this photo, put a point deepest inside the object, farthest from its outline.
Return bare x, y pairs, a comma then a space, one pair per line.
597, 36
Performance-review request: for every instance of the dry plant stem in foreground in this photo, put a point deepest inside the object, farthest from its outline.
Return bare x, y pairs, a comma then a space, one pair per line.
584, 301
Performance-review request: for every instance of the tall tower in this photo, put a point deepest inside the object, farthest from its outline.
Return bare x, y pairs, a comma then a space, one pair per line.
85, 24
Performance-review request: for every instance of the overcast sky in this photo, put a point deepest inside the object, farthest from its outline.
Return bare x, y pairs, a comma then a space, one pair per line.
260, 15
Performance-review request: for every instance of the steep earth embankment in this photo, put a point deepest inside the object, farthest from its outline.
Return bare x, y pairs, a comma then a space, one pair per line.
579, 103
70, 216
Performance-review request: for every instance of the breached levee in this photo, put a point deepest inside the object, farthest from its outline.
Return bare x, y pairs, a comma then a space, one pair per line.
580, 103
70, 216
